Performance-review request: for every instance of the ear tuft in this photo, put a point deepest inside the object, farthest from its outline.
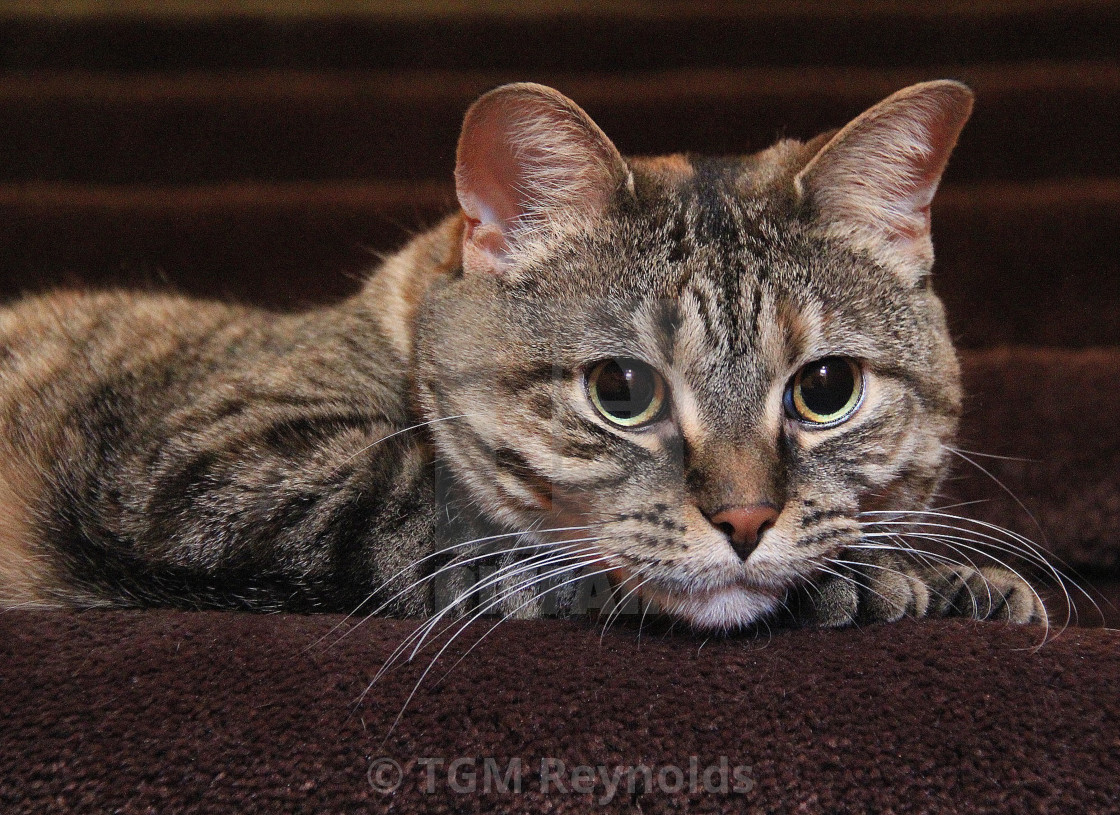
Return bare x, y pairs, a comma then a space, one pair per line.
873, 182
531, 166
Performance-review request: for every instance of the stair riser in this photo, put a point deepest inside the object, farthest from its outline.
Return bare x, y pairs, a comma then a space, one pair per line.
1030, 122
641, 38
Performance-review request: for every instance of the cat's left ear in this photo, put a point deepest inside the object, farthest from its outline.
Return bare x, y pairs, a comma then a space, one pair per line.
873, 182
531, 168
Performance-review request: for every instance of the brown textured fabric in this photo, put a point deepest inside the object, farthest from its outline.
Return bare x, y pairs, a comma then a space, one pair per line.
220, 713
1048, 414
621, 35
297, 126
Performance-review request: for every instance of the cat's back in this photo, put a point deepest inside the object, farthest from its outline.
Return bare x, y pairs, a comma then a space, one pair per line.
44, 331
102, 392
59, 348
60, 354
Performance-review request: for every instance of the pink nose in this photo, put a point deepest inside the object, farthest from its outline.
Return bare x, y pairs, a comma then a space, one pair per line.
744, 526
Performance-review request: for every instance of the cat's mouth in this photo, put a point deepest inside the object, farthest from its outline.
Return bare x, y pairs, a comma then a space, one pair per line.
721, 609
731, 603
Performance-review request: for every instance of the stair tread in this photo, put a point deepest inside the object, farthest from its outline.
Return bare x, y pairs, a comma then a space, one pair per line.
1033, 421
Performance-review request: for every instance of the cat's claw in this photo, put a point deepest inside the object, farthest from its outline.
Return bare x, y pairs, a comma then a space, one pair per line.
881, 587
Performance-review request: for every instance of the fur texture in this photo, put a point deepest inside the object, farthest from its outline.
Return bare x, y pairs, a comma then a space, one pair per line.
431, 445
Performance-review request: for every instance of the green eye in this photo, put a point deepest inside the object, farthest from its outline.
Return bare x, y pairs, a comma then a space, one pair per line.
825, 392
626, 392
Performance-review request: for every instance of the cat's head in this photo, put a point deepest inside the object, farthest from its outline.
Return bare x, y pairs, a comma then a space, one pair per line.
712, 364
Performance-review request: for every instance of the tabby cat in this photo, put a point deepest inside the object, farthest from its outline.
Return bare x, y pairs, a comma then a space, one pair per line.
726, 383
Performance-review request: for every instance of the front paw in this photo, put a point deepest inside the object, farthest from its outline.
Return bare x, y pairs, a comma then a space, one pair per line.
863, 587
881, 586
988, 593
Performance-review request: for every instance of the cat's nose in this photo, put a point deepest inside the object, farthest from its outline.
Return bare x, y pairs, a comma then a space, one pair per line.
744, 525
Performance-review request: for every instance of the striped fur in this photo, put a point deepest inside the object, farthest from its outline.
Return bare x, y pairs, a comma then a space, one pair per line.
163, 451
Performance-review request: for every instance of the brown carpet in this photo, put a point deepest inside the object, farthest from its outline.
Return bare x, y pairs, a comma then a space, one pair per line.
224, 713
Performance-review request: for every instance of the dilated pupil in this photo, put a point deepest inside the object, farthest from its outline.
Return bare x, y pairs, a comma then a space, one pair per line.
625, 391
827, 386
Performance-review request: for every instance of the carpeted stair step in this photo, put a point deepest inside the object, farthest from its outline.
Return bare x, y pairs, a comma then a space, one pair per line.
1039, 450
1032, 120
237, 713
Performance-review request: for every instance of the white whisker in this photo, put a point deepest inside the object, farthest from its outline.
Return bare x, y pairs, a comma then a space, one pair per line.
962, 545
462, 628
946, 561
1029, 549
488, 555
520, 587
619, 608
416, 426
957, 543
959, 450
534, 562
442, 570
852, 581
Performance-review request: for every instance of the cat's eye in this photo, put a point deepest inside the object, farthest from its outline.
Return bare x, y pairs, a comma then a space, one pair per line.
627, 392
826, 392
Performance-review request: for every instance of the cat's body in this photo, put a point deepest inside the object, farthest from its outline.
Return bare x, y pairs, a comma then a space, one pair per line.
158, 450
171, 451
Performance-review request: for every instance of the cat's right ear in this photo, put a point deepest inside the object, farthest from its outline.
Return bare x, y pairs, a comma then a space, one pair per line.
531, 167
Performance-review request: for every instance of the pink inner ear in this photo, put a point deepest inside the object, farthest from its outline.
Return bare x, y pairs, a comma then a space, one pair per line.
489, 178
940, 134
487, 238
487, 181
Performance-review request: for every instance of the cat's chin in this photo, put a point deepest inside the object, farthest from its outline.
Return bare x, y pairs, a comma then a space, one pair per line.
724, 609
